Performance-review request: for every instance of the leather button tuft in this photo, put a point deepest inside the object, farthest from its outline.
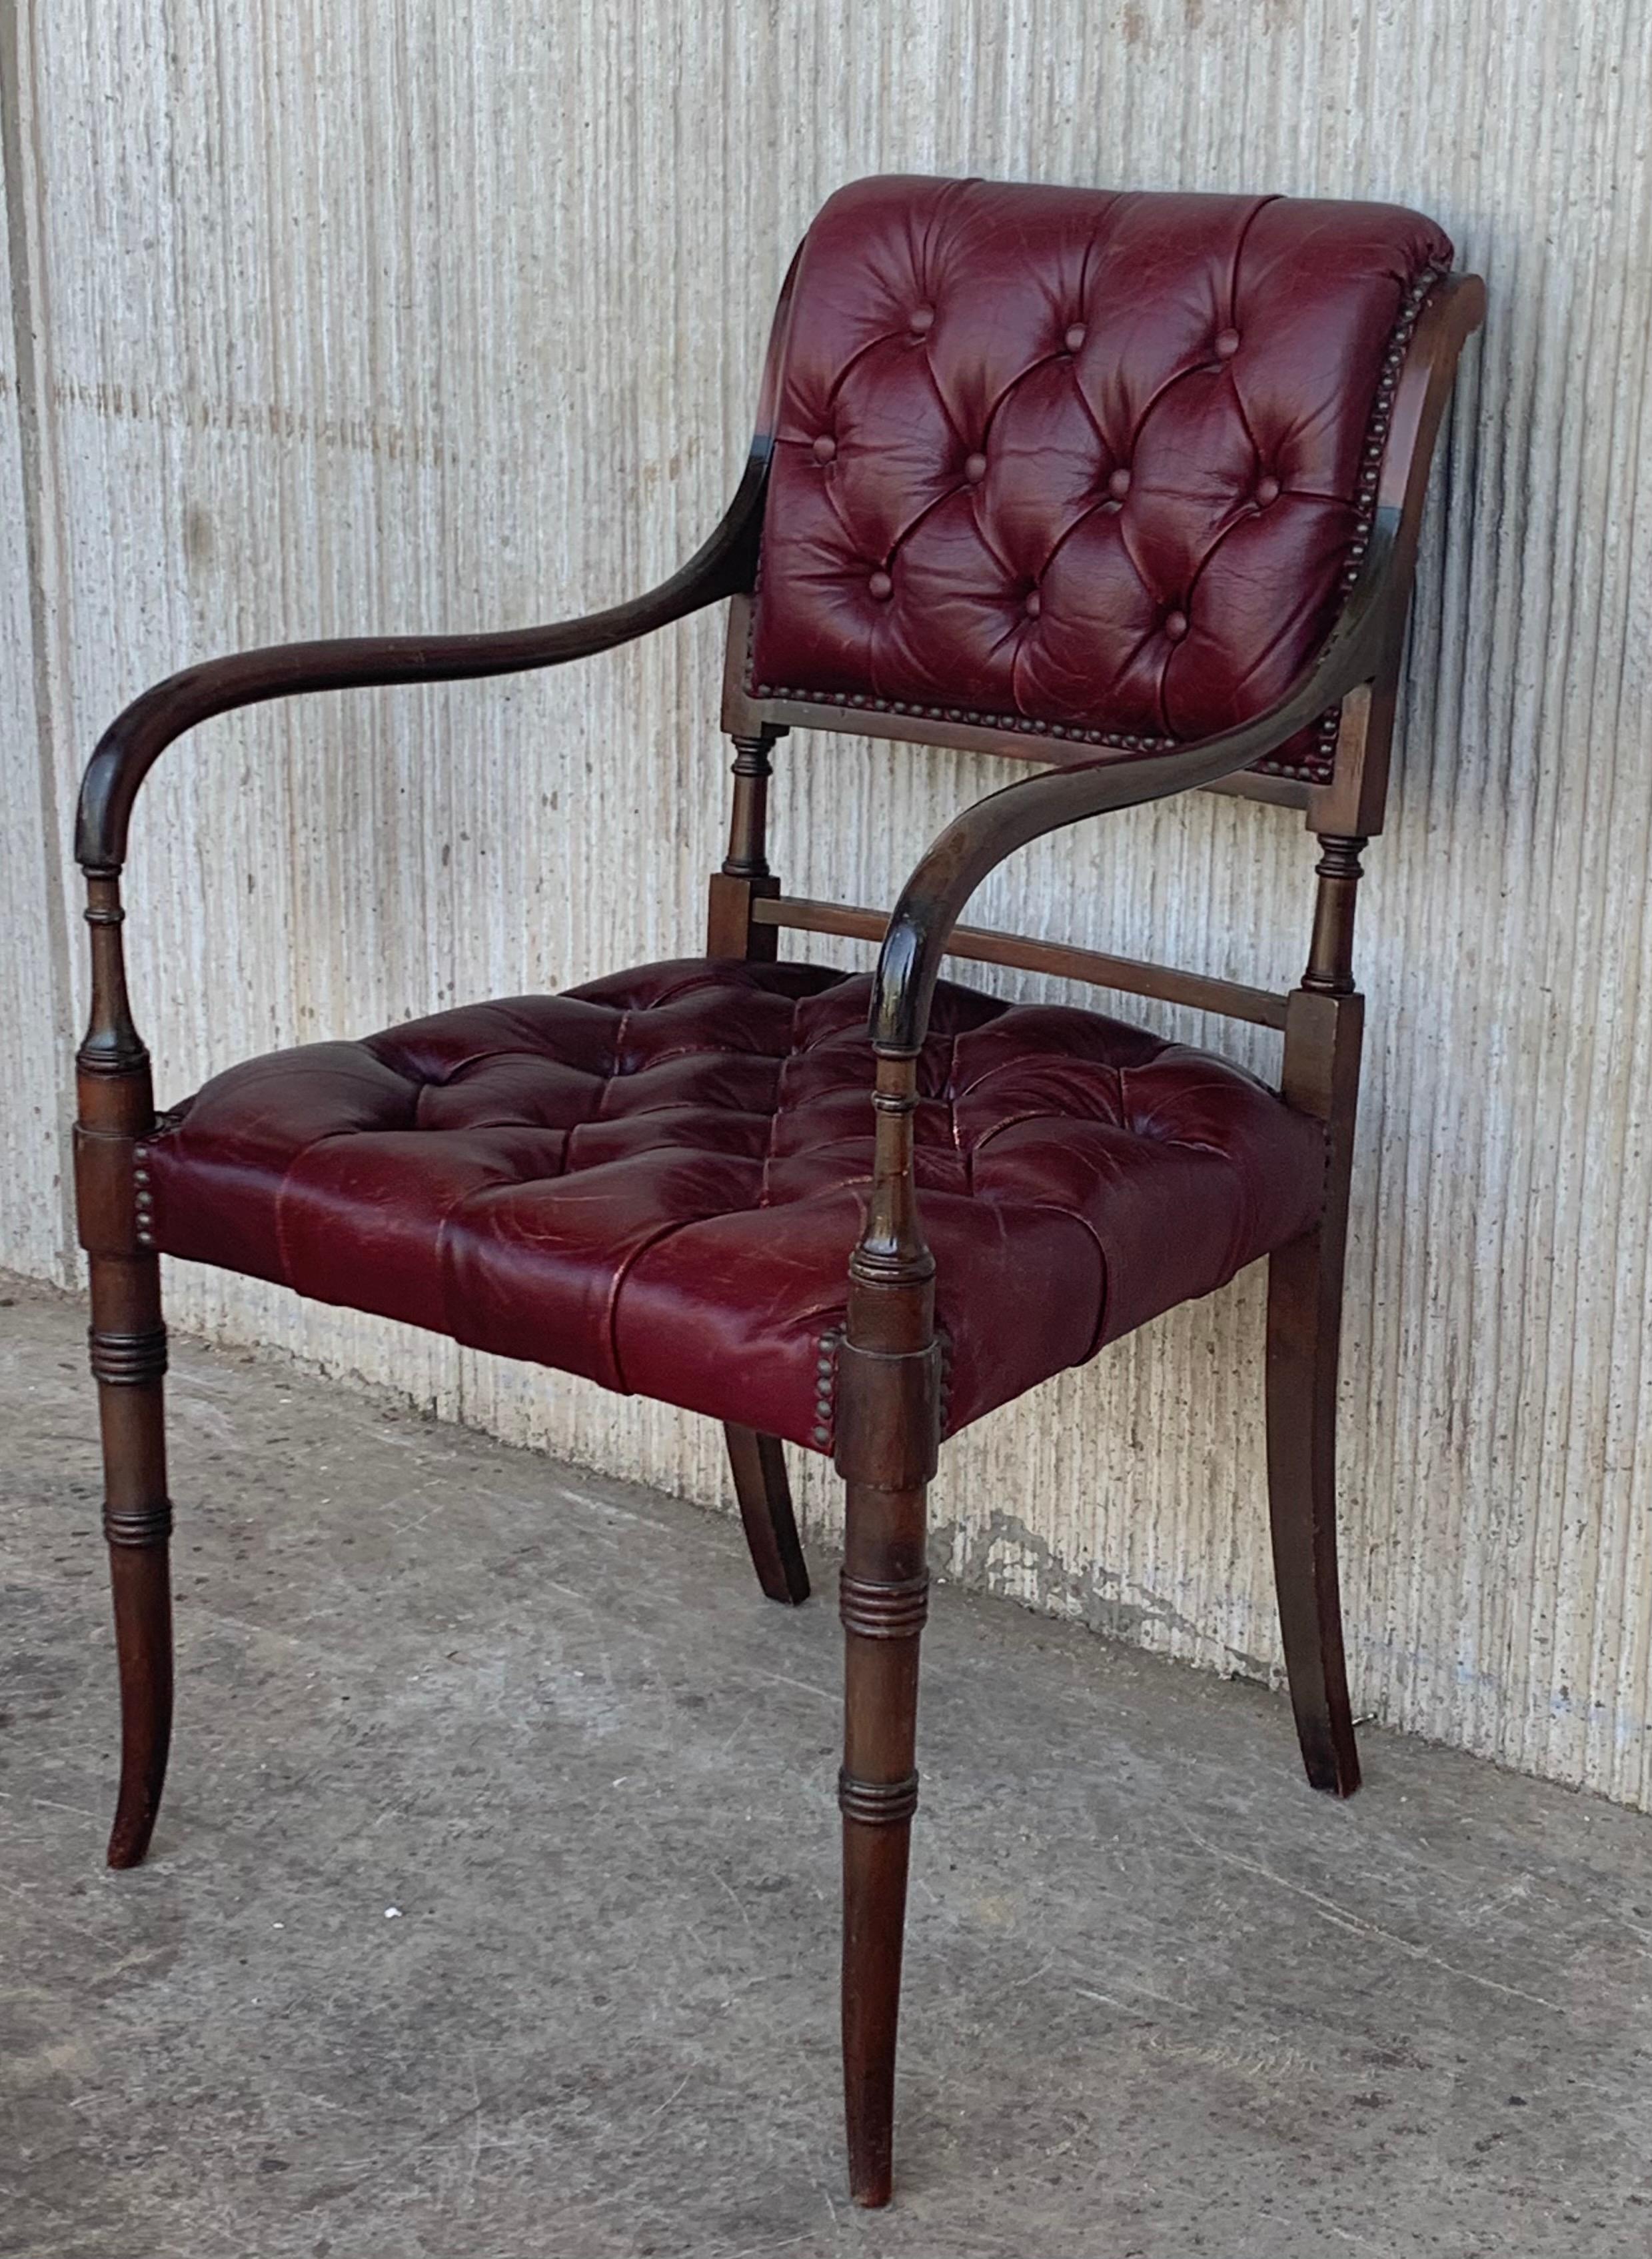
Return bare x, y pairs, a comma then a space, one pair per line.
825, 449
915, 410
881, 586
1034, 604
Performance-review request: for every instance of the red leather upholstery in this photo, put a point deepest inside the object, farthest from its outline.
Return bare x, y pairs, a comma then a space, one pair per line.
1055, 457
657, 1181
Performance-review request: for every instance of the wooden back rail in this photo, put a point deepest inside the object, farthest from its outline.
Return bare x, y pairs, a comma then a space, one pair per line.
1130, 976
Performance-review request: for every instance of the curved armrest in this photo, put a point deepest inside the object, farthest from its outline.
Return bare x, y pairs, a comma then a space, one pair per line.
131, 744
974, 844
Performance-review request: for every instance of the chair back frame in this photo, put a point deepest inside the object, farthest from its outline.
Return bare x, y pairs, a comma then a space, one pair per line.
1345, 812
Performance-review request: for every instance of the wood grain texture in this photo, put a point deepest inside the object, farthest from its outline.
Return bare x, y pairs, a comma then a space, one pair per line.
329, 322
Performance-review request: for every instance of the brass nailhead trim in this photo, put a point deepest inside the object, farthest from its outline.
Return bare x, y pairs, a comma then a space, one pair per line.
1316, 768
826, 1388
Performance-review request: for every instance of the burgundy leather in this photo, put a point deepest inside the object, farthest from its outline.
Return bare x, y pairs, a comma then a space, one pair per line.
657, 1181
1055, 456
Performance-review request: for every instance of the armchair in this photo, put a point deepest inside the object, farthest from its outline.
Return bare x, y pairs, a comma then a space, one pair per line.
1124, 487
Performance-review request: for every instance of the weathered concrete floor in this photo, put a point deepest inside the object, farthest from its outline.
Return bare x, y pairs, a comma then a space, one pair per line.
1161, 2000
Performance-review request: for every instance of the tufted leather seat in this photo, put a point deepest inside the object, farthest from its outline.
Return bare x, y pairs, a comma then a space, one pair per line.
654, 1180
1049, 456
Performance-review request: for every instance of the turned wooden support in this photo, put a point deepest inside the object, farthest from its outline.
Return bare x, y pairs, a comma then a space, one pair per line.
128, 1352
745, 876
749, 817
757, 1462
888, 1395
1330, 965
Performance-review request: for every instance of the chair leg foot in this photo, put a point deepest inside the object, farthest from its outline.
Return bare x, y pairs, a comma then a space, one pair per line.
143, 1635
884, 1602
760, 1485
129, 1359
875, 1862
1304, 1323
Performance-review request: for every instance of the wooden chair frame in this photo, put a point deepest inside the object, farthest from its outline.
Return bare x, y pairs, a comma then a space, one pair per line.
891, 1365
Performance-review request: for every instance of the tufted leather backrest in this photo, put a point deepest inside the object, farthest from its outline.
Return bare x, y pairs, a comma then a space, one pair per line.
1075, 461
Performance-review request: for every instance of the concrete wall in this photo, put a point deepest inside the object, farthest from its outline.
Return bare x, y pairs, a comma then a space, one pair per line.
324, 318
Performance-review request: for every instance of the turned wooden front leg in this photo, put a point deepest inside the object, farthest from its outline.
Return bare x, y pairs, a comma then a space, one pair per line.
884, 1599
888, 1397
129, 1361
